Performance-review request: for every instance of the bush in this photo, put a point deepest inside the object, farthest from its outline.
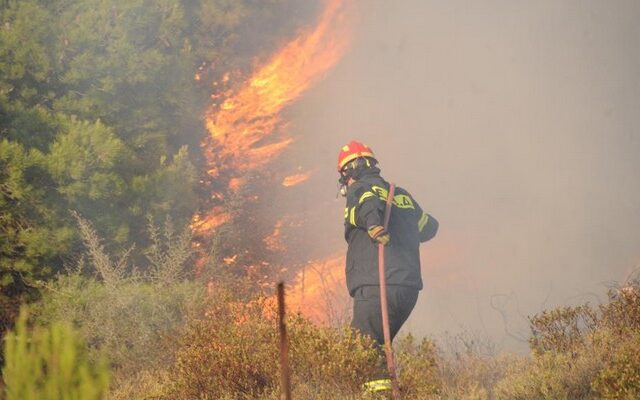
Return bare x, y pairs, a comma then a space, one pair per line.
620, 376
469, 367
562, 329
550, 376
133, 322
232, 352
130, 315
418, 368
582, 353
51, 363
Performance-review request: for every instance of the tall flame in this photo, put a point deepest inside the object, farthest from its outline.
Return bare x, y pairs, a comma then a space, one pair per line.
247, 127
246, 132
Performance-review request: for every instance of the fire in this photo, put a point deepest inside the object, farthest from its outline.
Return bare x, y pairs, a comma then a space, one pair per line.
273, 241
211, 221
247, 128
319, 291
247, 132
296, 179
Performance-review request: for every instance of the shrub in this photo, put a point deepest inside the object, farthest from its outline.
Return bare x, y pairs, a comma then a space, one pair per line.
51, 363
329, 357
550, 376
133, 321
581, 353
469, 367
130, 315
232, 352
418, 368
561, 329
620, 376
622, 312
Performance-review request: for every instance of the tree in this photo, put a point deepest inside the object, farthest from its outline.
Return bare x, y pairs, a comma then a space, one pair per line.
100, 113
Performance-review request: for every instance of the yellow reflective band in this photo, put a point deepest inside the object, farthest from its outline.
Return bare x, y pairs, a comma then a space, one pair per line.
381, 192
346, 212
352, 216
365, 196
402, 201
423, 221
378, 385
399, 200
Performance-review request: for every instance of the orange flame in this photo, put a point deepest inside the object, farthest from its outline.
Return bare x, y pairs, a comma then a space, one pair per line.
246, 130
273, 241
211, 221
296, 179
319, 291
243, 126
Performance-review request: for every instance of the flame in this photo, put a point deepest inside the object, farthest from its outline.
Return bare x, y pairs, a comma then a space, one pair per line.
230, 260
319, 291
296, 179
245, 127
273, 241
210, 221
247, 132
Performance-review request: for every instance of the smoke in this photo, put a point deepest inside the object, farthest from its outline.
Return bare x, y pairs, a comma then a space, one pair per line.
515, 124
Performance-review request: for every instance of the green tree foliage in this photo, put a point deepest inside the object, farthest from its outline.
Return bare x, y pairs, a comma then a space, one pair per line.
51, 364
100, 113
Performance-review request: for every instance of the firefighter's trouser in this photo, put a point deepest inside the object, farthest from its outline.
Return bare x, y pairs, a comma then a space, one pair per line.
367, 314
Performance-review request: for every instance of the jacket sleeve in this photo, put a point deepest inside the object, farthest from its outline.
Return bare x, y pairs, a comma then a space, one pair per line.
364, 207
427, 224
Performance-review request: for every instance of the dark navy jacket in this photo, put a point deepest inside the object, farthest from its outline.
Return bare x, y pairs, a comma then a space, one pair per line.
408, 227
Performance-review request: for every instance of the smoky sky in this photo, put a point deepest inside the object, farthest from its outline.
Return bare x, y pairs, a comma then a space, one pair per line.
515, 124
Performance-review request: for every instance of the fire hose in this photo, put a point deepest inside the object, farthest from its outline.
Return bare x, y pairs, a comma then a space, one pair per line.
383, 302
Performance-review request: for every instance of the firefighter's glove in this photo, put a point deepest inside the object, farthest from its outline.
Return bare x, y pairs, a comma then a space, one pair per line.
379, 234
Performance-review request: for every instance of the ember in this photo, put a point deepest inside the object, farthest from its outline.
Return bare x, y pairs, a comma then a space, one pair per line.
293, 180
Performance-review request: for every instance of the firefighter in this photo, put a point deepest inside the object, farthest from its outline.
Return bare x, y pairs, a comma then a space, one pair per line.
366, 192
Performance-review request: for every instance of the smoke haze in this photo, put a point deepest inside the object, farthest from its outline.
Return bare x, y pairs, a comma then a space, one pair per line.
515, 124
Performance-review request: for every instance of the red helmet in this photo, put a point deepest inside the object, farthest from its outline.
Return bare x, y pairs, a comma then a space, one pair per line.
351, 151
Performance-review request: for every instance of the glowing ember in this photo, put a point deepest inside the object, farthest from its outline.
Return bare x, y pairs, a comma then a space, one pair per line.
296, 179
319, 291
273, 241
216, 217
235, 183
230, 260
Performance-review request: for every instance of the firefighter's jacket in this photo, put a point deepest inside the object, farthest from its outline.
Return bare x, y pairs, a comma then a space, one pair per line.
408, 227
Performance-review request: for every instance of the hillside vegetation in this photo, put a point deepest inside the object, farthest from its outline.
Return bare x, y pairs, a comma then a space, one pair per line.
175, 339
100, 113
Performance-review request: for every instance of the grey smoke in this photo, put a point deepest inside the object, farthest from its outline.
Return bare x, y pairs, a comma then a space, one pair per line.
516, 124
